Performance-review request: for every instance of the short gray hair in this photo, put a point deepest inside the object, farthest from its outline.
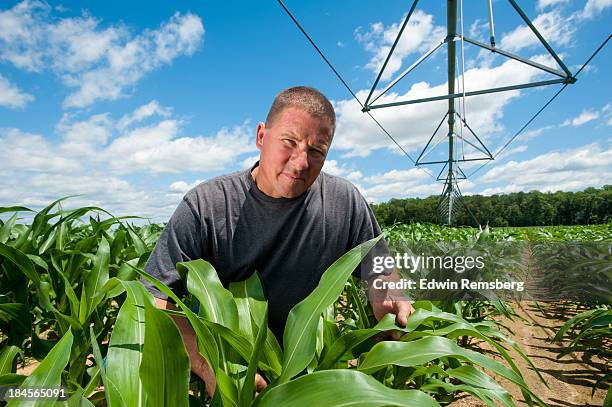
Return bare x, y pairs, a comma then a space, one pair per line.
304, 98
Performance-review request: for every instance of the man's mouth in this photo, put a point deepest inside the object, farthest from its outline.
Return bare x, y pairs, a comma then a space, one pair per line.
293, 177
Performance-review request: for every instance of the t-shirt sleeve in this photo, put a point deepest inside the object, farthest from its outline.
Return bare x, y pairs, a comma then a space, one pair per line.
365, 228
181, 240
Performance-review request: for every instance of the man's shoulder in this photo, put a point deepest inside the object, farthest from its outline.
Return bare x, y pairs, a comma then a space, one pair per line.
338, 185
341, 194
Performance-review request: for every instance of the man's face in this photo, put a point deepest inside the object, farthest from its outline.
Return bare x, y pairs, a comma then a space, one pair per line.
292, 153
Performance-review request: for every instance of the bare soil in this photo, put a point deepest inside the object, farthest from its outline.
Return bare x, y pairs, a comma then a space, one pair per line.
570, 378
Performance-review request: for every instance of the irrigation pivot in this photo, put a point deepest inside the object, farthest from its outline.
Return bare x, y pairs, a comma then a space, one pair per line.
459, 133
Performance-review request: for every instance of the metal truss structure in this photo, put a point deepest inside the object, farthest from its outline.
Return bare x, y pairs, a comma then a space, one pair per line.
451, 171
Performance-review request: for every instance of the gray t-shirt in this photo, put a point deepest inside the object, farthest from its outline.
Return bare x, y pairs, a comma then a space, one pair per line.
229, 222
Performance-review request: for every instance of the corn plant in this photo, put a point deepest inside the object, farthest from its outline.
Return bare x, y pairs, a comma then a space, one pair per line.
74, 282
58, 278
234, 338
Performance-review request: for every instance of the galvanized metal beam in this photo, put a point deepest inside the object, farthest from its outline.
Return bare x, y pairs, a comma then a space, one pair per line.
408, 70
542, 40
472, 93
457, 161
518, 58
399, 34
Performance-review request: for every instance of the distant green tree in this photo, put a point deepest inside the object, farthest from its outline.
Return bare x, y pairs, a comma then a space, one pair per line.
535, 208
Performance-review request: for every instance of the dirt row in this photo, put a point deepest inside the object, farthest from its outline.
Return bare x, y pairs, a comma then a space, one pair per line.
570, 377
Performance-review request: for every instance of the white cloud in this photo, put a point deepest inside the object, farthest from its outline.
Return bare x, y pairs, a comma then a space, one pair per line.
607, 113
84, 138
92, 156
11, 96
181, 187
571, 170
515, 150
555, 29
249, 161
584, 117
21, 151
158, 149
419, 35
97, 63
478, 27
333, 167
594, 7
542, 4
531, 134
412, 125
143, 112
399, 184
20, 34
125, 64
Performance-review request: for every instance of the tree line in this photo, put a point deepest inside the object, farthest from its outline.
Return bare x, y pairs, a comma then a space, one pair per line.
535, 208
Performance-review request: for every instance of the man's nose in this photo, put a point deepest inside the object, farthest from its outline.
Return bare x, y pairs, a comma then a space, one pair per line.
300, 159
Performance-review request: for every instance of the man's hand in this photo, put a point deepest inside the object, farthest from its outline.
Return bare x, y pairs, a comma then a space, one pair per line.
384, 302
402, 308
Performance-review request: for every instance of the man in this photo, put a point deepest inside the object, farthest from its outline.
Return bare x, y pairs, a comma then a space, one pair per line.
283, 218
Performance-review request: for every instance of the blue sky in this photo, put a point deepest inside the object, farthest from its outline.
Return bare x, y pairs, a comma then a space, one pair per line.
130, 104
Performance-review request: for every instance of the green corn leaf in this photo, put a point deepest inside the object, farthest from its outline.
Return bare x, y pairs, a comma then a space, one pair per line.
341, 388
351, 339
216, 303
11, 379
4, 209
76, 400
5, 230
205, 337
300, 331
7, 356
138, 243
49, 372
434, 385
575, 320
248, 389
18, 313
97, 277
113, 395
48, 242
164, 370
476, 378
20, 260
251, 305
424, 350
250, 301
226, 389
44, 297
125, 348
70, 294
117, 245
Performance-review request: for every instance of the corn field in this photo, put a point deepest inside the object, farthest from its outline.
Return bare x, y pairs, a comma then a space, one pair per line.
71, 299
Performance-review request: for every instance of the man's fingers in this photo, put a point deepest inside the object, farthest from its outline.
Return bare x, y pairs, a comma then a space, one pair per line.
260, 382
403, 309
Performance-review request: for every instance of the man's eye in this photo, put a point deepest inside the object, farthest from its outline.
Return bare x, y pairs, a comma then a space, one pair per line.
289, 141
317, 153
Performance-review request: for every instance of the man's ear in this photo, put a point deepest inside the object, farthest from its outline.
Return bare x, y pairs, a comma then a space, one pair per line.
259, 135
